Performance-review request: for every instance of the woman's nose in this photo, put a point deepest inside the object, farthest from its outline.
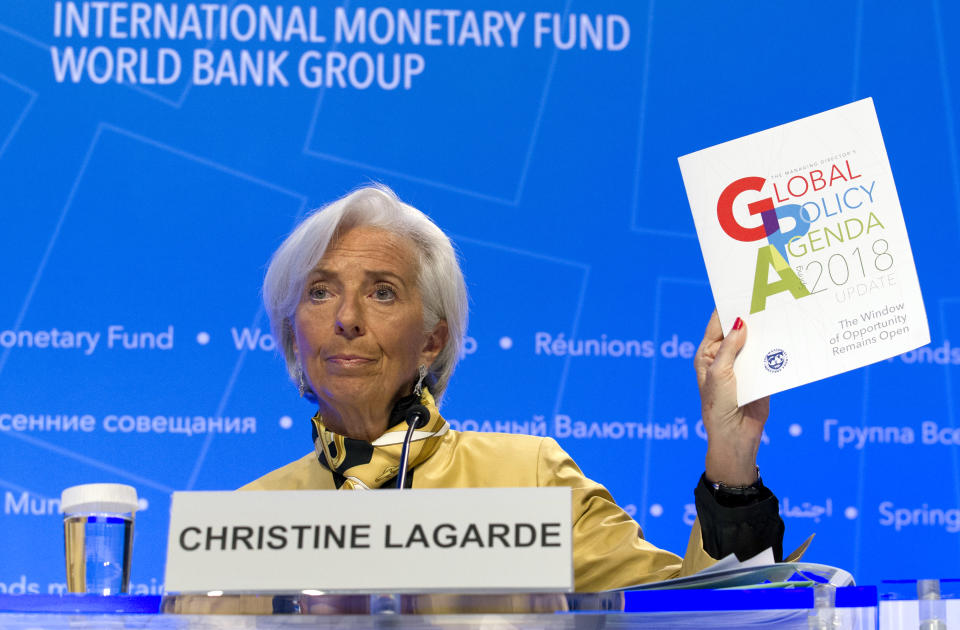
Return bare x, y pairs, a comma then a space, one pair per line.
350, 318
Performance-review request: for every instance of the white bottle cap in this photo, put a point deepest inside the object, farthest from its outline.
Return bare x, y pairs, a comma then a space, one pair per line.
109, 498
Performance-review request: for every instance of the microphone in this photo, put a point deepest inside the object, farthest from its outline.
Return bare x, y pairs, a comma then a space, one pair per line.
417, 417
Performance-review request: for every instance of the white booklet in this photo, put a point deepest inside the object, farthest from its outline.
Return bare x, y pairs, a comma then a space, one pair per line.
803, 237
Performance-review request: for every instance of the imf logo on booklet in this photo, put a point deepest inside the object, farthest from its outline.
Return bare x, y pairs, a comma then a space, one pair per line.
775, 360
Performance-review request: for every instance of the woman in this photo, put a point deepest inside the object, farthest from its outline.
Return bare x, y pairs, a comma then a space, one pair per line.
368, 303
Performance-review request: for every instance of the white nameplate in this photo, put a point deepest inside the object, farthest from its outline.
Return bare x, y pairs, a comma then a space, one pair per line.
466, 540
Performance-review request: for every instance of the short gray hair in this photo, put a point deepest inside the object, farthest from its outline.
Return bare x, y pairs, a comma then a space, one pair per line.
440, 278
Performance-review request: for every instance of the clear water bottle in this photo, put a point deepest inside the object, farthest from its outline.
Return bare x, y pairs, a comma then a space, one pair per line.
98, 537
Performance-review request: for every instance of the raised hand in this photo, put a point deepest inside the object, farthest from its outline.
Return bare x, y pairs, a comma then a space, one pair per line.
733, 433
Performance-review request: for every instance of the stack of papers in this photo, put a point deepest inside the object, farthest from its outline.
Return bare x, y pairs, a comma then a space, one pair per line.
758, 571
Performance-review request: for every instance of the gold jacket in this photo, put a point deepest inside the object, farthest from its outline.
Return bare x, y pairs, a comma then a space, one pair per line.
609, 550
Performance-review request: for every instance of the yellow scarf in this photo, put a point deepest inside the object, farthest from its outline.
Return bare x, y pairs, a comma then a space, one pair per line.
359, 465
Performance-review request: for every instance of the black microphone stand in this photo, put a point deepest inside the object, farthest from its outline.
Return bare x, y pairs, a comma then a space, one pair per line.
416, 418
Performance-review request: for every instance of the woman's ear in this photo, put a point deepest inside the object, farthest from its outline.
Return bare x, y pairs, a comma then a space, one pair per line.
290, 333
436, 341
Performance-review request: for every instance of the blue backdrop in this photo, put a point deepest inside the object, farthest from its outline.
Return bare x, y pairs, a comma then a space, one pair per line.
152, 156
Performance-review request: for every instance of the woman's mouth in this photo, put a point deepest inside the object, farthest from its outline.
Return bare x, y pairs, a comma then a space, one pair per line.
348, 360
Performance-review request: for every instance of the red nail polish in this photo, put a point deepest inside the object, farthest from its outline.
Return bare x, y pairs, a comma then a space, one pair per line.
738, 324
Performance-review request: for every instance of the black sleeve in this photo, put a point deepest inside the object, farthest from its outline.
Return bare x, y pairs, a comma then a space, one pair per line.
741, 525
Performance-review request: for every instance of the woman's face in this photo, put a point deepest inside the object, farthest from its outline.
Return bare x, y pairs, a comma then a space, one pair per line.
359, 331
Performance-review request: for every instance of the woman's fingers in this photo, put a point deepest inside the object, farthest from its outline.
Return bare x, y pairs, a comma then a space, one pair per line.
731, 346
712, 337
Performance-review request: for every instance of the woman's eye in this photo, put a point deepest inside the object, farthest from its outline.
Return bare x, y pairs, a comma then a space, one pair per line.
319, 292
384, 293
